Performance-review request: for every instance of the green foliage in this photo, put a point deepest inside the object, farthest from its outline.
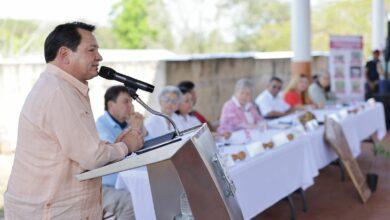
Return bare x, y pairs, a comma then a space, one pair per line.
341, 18
263, 26
255, 25
19, 37
105, 38
380, 149
131, 23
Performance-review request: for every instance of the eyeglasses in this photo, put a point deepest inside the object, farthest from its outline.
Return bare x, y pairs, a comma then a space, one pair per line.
170, 101
277, 87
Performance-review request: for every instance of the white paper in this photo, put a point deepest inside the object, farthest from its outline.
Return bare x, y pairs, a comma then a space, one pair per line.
280, 139
255, 148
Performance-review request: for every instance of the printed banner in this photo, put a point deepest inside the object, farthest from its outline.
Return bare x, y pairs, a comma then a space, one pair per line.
346, 67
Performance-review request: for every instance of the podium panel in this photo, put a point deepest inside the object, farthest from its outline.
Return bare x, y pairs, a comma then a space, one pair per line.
334, 135
190, 165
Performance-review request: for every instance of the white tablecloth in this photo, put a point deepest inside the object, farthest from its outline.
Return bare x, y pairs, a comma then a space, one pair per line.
136, 181
264, 179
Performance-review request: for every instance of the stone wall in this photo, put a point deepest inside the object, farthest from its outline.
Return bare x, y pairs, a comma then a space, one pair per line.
215, 78
17, 79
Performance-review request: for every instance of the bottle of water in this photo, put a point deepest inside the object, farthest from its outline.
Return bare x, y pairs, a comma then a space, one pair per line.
185, 209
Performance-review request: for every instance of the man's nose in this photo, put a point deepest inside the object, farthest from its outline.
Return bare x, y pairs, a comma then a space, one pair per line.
99, 57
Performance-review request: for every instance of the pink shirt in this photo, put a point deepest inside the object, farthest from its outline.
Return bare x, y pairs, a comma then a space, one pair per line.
235, 118
57, 139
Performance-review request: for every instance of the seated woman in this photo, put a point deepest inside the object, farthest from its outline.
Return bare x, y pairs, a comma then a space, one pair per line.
169, 99
296, 94
185, 119
319, 91
239, 112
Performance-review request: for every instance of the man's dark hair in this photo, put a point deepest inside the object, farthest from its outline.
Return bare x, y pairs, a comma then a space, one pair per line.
65, 35
112, 94
186, 86
275, 78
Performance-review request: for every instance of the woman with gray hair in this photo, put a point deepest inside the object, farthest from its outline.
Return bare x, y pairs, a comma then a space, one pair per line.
169, 98
239, 112
319, 91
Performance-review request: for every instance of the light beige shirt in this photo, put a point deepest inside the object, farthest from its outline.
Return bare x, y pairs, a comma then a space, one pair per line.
57, 139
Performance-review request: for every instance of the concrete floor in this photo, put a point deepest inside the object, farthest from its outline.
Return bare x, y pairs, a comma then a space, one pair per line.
329, 198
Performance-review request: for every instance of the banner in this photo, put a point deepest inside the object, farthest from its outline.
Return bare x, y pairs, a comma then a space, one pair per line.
346, 67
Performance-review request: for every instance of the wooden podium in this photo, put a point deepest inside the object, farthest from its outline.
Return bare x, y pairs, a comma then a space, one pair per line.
190, 165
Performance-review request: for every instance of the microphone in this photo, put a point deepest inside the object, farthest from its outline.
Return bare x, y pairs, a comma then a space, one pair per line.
111, 74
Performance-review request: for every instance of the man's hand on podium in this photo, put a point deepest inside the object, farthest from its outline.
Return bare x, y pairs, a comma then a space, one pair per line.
132, 138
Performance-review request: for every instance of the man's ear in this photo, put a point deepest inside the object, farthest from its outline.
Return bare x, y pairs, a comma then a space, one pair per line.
109, 104
63, 55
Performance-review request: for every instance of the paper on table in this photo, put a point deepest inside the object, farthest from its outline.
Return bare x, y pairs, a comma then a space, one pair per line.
343, 114
280, 139
255, 148
334, 117
298, 130
312, 125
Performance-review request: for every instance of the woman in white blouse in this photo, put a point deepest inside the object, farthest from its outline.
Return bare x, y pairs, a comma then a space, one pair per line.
169, 99
185, 119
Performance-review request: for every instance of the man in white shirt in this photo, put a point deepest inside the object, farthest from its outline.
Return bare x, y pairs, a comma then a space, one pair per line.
270, 103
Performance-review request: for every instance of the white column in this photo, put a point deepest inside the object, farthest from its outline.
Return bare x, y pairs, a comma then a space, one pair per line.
378, 25
300, 30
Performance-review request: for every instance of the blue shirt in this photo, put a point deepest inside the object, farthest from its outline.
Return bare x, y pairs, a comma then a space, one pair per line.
108, 130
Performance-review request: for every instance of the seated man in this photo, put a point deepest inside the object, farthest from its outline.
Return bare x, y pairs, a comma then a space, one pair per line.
270, 103
119, 115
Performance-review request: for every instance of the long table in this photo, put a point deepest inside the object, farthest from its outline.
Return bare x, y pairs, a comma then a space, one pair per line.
265, 179
268, 177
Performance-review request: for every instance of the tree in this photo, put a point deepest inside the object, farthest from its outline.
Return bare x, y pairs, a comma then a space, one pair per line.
341, 18
18, 37
138, 23
105, 38
262, 25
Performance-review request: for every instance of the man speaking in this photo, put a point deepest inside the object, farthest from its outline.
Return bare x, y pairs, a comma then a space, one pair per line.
57, 137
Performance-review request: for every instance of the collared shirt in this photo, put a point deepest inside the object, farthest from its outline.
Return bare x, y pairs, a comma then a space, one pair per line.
199, 116
234, 118
108, 130
57, 139
246, 108
268, 103
187, 122
157, 125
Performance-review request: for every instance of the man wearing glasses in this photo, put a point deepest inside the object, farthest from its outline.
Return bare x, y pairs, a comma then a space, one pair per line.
270, 103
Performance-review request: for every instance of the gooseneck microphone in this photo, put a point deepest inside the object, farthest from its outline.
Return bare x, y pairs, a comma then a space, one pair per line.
133, 85
111, 74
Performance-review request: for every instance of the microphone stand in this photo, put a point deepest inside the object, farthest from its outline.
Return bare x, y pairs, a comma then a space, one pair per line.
134, 95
